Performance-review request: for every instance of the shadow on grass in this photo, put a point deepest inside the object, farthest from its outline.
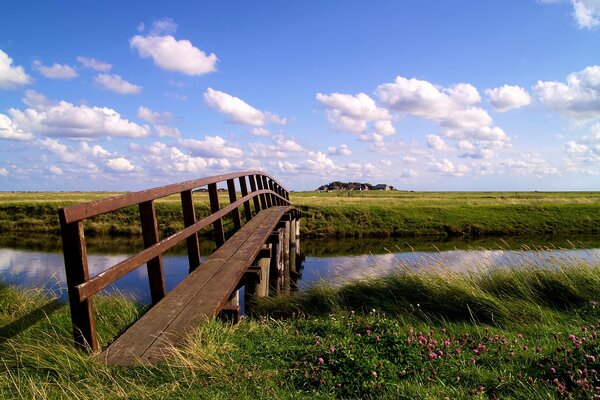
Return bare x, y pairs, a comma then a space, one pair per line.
17, 326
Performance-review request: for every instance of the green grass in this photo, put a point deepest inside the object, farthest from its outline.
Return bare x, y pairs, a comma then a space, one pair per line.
354, 214
509, 334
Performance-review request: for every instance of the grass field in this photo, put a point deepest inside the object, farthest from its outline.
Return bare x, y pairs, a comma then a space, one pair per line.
509, 334
345, 214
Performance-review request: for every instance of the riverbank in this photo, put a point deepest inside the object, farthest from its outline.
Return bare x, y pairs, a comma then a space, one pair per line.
347, 214
508, 334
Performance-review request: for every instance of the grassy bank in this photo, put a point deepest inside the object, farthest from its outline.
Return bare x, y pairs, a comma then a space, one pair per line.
356, 214
522, 334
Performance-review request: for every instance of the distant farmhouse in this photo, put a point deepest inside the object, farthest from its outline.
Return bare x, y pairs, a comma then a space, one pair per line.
341, 186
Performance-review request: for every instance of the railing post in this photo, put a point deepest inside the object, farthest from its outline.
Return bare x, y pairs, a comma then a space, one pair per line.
237, 222
263, 197
270, 186
266, 185
155, 267
244, 190
213, 195
189, 218
276, 190
255, 199
76, 267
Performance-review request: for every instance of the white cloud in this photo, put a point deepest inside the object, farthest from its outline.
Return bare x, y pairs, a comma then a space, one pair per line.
409, 159
10, 131
56, 71
258, 131
120, 164
261, 150
446, 167
437, 143
508, 97
211, 146
586, 13
162, 26
94, 64
578, 98
3, 172
386, 163
319, 163
153, 116
174, 55
54, 170
11, 76
67, 120
576, 148
287, 144
167, 131
238, 110
117, 84
530, 164
343, 150
353, 114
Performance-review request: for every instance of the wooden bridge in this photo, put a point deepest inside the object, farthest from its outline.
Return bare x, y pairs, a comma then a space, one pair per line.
270, 227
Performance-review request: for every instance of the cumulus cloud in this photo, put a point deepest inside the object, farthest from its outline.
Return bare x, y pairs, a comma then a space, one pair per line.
261, 150
153, 116
10, 131
409, 159
174, 55
211, 146
94, 64
508, 97
258, 131
437, 143
446, 167
54, 170
68, 120
287, 144
319, 163
353, 113
120, 164
3, 172
116, 84
578, 98
56, 71
167, 131
342, 150
530, 164
238, 110
586, 13
11, 76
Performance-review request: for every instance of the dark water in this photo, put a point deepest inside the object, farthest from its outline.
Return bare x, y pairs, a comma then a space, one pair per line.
37, 261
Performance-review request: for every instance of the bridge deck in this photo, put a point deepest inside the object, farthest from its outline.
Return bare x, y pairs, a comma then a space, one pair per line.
200, 296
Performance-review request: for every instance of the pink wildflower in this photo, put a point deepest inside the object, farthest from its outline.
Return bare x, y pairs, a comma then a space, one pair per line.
432, 356
320, 360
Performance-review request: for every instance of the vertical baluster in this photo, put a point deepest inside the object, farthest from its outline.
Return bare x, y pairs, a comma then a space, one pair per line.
255, 199
213, 195
189, 218
237, 222
244, 190
263, 197
265, 182
155, 267
76, 267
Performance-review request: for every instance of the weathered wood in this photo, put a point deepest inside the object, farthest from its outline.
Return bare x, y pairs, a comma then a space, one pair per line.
201, 295
213, 195
156, 277
263, 197
244, 190
265, 183
189, 219
97, 207
253, 188
237, 222
76, 266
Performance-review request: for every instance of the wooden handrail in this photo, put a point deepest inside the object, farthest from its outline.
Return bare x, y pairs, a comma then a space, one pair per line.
90, 209
264, 192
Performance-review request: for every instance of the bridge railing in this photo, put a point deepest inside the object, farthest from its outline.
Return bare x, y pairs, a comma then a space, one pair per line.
264, 192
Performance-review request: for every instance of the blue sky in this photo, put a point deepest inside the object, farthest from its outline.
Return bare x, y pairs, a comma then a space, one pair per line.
427, 95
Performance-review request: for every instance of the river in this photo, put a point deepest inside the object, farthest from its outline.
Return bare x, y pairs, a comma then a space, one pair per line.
36, 260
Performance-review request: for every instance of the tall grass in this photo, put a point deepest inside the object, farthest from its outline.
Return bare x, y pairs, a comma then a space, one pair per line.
507, 333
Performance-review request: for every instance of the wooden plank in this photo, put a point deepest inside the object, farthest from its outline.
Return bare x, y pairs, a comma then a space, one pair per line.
189, 219
237, 222
213, 195
166, 323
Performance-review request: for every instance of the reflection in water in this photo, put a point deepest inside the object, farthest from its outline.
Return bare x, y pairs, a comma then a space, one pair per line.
37, 260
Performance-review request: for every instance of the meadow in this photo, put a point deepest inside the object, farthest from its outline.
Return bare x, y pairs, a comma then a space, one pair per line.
507, 334
348, 214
